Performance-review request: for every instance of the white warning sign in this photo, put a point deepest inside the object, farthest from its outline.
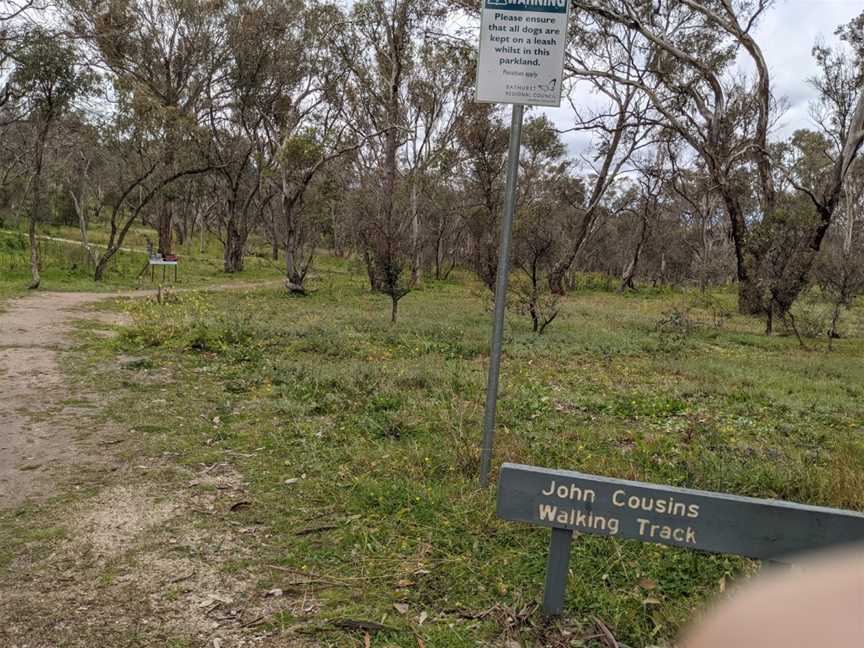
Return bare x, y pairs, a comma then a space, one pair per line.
522, 51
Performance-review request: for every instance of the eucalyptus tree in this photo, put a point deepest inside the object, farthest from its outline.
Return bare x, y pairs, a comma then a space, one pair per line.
380, 51
140, 175
235, 111
682, 62
697, 205
483, 139
621, 128
539, 232
332, 189
652, 181
265, 118
445, 203
840, 270
84, 174
45, 82
302, 125
161, 57
437, 90
13, 28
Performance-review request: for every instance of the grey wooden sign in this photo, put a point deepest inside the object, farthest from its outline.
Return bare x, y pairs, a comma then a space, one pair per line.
569, 501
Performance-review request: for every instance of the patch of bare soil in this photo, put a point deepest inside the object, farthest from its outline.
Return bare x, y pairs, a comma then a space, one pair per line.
154, 558
144, 567
40, 417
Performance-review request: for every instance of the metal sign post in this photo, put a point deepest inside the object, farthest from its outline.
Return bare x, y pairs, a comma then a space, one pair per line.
521, 62
501, 293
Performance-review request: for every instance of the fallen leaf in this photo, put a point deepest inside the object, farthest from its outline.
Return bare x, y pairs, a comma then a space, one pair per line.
647, 583
423, 616
405, 583
401, 608
275, 592
292, 480
367, 640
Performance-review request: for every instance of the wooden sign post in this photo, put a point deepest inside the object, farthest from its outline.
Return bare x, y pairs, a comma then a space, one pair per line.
569, 501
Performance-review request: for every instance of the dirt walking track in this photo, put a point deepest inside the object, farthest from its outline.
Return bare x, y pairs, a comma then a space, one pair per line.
138, 564
35, 434
36, 405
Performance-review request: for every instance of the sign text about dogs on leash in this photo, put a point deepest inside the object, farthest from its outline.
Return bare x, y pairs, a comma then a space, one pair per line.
522, 51
715, 522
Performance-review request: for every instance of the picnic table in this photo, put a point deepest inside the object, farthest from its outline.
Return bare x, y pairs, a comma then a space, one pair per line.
155, 260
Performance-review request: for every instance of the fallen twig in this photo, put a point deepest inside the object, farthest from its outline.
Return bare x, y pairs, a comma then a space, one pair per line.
607, 634
316, 529
254, 621
360, 624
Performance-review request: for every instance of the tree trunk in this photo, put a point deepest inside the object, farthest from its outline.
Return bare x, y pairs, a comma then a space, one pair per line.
394, 307
750, 301
833, 334
556, 280
36, 208
295, 273
165, 229
235, 242
337, 242
535, 316
629, 273
374, 280
99, 271
417, 250
559, 271
82, 227
34, 252
180, 229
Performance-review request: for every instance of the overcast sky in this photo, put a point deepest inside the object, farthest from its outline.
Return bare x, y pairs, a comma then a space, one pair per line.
786, 34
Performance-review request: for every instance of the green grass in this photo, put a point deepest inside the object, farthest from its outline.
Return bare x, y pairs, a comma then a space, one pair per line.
65, 266
25, 527
380, 426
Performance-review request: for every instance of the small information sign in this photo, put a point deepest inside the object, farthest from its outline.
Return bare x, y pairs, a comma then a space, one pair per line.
716, 522
522, 51
569, 501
